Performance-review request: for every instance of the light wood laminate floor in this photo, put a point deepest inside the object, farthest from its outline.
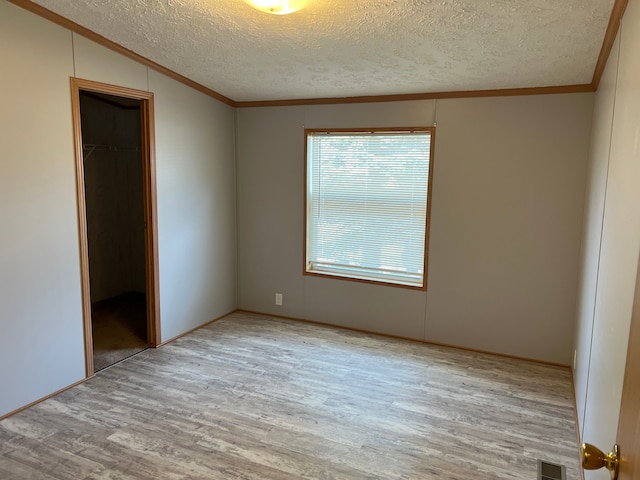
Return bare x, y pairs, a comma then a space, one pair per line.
253, 397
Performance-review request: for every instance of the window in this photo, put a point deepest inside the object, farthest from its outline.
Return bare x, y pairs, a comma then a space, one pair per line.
367, 204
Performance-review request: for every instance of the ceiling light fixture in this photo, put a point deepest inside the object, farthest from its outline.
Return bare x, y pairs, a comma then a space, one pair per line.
277, 7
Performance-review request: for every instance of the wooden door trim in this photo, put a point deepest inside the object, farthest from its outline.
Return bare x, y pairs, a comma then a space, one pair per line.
150, 209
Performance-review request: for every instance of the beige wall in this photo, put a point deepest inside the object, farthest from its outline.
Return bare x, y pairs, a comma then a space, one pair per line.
509, 176
610, 254
41, 335
592, 227
195, 148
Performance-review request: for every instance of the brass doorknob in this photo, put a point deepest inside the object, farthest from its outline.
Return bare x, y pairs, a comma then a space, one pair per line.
593, 459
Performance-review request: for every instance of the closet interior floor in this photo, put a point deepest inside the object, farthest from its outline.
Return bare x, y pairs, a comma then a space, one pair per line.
119, 328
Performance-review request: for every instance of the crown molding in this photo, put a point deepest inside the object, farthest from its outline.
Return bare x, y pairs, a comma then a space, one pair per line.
617, 14
105, 42
610, 35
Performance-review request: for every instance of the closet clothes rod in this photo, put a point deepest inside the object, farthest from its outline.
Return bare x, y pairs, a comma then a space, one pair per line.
92, 147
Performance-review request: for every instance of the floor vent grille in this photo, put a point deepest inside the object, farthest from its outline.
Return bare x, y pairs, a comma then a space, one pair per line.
551, 471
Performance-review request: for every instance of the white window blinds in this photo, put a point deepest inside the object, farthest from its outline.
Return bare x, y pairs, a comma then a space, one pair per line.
367, 196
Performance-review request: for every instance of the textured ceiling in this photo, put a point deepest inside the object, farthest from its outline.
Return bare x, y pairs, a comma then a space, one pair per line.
343, 48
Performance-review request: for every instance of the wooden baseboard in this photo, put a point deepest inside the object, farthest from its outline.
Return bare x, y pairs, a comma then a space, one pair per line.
40, 400
92, 376
577, 422
196, 328
324, 324
419, 340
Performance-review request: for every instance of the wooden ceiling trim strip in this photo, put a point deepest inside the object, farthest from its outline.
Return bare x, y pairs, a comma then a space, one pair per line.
617, 13
506, 92
612, 30
91, 35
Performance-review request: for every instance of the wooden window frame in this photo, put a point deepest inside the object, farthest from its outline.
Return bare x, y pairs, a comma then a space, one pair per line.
311, 131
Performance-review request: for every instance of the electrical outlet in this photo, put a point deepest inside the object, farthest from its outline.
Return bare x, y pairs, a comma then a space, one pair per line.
279, 299
575, 358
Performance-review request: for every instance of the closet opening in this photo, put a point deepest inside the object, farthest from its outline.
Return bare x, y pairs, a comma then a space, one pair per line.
115, 171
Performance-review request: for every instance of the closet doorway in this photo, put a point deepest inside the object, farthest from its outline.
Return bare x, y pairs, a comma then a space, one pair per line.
115, 171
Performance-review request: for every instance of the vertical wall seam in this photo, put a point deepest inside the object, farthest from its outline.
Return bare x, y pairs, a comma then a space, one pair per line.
604, 206
435, 112
424, 318
73, 53
236, 129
